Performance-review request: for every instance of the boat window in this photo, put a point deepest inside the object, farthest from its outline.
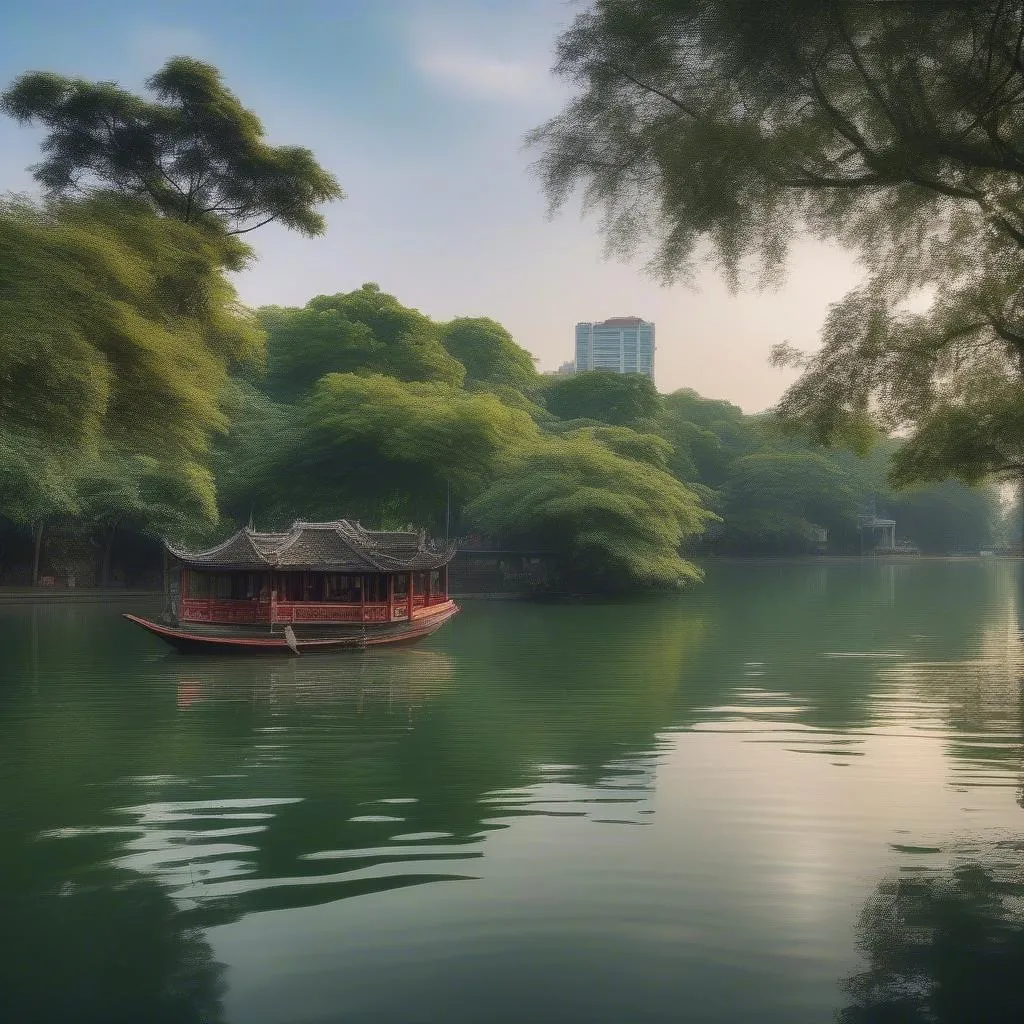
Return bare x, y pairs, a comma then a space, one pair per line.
242, 586
289, 586
198, 584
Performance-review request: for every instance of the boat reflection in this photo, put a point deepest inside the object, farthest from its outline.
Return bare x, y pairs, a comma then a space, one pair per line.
407, 678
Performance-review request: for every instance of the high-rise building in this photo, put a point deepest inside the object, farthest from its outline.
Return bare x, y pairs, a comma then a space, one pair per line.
624, 344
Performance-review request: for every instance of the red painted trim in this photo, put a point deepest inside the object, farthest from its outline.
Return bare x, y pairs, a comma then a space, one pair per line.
244, 612
426, 612
218, 641
431, 620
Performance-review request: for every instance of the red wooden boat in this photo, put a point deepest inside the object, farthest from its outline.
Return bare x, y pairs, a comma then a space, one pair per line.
315, 587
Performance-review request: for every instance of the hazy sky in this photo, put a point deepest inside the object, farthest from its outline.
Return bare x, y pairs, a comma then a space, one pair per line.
419, 107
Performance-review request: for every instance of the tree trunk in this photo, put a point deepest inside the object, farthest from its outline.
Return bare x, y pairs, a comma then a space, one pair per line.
39, 529
108, 550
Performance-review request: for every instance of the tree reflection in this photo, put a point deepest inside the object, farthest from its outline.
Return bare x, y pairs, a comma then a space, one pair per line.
115, 951
250, 785
352, 755
944, 948
827, 634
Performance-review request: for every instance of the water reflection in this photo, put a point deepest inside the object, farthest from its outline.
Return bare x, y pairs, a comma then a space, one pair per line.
681, 793
347, 683
944, 946
115, 948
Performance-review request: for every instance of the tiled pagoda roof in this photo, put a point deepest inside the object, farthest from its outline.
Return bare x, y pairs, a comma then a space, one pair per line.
340, 546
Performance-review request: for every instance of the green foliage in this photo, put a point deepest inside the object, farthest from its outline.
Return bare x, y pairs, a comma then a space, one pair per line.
707, 436
620, 399
515, 399
193, 153
117, 330
489, 354
630, 444
258, 426
366, 330
145, 495
373, 443
774, 500
973, 436
132, 493
34, 482
949, 517
894, 129
388, 450
612, 523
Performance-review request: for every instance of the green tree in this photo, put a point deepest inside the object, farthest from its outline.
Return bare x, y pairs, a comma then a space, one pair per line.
118, 330
35, 487
948, 518
771, 486
367, 445
489, 353
258, 427
893, 128
611, 522
193, 152
773, 500
621, 399
366, 330
632, 444
707, 436
142, 495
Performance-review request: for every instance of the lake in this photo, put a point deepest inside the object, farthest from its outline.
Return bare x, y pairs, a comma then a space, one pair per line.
792, 794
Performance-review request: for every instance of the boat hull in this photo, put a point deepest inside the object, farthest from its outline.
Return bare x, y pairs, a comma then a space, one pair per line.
201, 639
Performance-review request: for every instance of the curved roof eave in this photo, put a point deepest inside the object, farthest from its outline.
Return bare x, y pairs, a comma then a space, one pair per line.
201, 557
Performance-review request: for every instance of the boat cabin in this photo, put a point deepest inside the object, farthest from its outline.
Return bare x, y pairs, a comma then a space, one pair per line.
313, 574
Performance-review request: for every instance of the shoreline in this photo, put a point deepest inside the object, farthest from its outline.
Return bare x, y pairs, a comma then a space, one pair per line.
709, 560
75, 595
89, 595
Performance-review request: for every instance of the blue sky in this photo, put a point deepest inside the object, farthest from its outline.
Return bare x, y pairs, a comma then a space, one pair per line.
420, 107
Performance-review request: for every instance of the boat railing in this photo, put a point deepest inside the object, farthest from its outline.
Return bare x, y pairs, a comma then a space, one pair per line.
210, 609
277, 612
309, 611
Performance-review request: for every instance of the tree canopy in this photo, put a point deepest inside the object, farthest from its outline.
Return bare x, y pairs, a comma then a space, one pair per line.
611, 522
489, 353
365, 330
620, 399
194, 152
385, 448
892, 128
117, 329
775, 500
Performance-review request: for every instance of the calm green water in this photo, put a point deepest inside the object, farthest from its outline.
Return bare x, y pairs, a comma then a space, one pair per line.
789, 796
